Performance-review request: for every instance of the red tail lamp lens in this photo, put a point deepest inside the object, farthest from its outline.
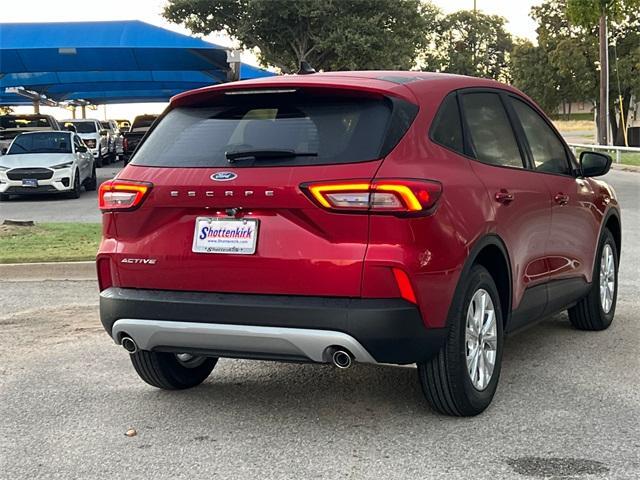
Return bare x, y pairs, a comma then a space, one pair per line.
379, 196
122, 194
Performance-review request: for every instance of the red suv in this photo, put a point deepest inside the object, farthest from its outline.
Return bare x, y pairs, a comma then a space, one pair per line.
375, 217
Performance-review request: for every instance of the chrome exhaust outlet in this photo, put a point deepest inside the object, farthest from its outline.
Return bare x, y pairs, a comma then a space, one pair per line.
129, 344
342, 359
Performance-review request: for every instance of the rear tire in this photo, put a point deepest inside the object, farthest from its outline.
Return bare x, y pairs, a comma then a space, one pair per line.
446, 381
100, 160
596, 311
167, 371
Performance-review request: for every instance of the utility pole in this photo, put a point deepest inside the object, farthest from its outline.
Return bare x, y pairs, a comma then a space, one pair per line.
603, 111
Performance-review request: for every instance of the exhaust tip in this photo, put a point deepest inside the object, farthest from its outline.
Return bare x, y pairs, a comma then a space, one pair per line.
342, 359
129, 344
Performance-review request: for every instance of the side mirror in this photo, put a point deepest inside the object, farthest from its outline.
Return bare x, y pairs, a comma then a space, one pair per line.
81, 149
4, 151
594, 164
104, 133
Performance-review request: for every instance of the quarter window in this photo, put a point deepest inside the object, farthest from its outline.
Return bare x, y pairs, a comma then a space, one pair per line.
447, 128
491, 134
549, 154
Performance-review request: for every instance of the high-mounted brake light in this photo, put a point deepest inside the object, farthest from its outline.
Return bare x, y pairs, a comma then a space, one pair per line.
122, 194
379, 196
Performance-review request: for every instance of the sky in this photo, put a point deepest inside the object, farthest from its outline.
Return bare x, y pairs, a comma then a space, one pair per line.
515, 11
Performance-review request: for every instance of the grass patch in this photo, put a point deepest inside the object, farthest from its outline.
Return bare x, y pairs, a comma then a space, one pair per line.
573, 116
49, 242
574, 125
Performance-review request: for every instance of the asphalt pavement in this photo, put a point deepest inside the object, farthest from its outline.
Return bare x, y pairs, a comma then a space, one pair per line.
567, 406
58, 208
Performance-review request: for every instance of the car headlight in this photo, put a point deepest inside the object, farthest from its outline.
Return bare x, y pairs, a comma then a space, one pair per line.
60, 166
90, 143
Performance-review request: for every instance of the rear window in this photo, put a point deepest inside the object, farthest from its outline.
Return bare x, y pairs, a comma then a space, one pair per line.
27, 121
83, 127
143, 123
322, 130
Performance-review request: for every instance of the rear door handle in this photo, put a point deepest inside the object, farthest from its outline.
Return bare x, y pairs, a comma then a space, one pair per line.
561, 199
504, 196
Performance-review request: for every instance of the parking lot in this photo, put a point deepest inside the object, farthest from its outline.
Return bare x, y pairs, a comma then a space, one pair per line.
567, 406
57, 208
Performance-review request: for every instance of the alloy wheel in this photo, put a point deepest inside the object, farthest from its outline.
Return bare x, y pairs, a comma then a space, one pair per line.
607, 278
481, 339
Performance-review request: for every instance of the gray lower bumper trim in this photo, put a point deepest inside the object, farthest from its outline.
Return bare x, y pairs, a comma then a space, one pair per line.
150, 334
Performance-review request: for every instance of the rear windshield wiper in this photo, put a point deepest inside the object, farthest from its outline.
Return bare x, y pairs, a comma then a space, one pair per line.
265, 154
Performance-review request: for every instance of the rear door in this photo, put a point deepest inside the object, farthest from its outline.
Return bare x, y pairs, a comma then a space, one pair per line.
520, 197
198, 192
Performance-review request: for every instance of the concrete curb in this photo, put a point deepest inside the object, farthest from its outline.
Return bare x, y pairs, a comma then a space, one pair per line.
20, 272
625, 168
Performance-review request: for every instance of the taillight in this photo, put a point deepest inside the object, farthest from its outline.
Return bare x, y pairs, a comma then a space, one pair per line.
379, 196
122, 194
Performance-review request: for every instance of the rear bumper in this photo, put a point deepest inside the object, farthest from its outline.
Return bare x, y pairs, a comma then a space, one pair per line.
269, 326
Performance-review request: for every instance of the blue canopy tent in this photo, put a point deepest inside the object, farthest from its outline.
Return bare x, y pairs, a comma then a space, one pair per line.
108, 62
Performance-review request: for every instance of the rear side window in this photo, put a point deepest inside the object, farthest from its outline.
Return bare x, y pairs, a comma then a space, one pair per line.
491, 134
549, 154
447, 127
324, 130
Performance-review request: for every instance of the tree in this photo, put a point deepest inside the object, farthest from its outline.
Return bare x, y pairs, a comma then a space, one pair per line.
589, 13
533, 73
329, 34
470, 43
572, 52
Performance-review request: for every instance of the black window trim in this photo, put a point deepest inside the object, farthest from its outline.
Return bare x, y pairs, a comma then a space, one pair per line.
518, 126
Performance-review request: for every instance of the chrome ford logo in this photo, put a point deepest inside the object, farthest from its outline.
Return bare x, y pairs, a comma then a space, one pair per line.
223, 176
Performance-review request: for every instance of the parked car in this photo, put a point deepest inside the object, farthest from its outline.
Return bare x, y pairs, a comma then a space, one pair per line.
375, 217
139, 128
47, 162
123, 125
14, 124
116, 149
94, 136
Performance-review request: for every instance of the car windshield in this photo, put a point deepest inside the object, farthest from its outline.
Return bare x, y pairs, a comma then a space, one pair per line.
310, 131
45, 142
83, 127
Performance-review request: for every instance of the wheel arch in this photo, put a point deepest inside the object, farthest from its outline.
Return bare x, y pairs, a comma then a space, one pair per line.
612, 223
491, 252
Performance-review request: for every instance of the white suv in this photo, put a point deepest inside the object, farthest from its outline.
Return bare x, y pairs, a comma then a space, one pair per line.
94, 136
47, 162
